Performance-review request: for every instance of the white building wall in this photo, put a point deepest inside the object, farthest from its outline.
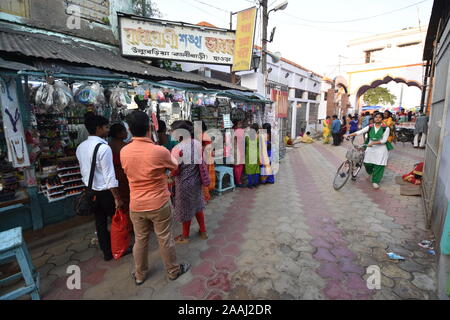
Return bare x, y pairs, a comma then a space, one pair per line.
394, 59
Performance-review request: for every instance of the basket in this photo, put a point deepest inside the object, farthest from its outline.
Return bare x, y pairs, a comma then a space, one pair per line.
354, 155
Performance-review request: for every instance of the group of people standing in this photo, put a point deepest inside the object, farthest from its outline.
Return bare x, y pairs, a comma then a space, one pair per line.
336, 129
154, 184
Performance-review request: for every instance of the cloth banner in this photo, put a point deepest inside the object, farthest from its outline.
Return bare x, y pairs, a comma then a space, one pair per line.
12, 124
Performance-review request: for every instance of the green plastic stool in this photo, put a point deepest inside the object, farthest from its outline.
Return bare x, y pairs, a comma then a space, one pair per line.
12, 245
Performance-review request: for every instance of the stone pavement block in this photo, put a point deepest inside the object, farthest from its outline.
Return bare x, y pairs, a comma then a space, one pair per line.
195, 288
62, 259
46, 284
265, 270
124, 288
263, 289
385, 295
310, 292
143, 294
102, 291
220, 281
204, 269
336, 291
323, 254
40, 261
328, 270
251, 245
288, 266
406, 290
392, 271
45, 269
80, 246
61, 270
424, 281
85, 255
58, 249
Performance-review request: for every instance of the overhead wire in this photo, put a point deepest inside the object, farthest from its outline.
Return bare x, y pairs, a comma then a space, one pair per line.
358, 19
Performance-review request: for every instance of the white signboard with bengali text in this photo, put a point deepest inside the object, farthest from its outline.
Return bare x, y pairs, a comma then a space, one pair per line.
166, 41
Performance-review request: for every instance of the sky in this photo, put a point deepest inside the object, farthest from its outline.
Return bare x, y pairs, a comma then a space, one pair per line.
310, 33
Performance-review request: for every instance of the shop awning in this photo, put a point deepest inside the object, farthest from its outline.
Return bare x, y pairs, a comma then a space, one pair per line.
16, 66
49, 47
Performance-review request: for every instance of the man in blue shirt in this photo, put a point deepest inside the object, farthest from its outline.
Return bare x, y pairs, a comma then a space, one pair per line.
336, 131
366, 120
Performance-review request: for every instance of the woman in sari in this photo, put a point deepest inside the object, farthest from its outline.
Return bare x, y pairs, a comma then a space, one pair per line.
252, 168
388, 122
210, 164
327, 130
266, 166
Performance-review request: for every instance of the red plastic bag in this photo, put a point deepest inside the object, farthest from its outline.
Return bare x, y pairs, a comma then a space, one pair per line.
120, 237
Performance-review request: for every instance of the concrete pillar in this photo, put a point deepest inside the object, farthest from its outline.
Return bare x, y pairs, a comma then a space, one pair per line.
294, 121
308, 106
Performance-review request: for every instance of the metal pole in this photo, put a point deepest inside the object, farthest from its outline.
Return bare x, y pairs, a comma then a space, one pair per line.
264, 43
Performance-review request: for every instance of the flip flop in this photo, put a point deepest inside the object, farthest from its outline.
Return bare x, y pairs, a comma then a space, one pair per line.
184, 267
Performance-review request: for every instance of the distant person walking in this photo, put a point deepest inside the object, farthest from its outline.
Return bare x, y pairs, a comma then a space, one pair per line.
336, 131
421, 129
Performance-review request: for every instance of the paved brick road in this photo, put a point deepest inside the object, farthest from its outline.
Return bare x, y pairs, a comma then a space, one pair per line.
297, 239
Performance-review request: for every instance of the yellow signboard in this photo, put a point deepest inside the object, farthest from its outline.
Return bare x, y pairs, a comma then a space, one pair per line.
245, 33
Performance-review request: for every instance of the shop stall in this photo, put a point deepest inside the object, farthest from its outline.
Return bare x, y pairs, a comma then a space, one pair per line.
42, 125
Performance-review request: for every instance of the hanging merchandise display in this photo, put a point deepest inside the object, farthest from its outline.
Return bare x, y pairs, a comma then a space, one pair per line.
13, 126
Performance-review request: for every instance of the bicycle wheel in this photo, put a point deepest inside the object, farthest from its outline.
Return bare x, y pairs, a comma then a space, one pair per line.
356, 169
342, 175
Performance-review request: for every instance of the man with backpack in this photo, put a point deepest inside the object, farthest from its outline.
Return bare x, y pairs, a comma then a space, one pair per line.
378, 147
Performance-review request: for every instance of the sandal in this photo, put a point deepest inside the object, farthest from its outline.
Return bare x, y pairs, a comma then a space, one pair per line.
184, 267
136, 281
181, 240
203, 235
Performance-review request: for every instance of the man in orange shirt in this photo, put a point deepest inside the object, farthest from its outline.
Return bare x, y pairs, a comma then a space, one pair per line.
145, 165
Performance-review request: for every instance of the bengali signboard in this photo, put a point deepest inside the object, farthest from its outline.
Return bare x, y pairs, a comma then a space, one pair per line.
245, 34
159, 39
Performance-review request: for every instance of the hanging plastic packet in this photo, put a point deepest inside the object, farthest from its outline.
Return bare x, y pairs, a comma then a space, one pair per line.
63, 96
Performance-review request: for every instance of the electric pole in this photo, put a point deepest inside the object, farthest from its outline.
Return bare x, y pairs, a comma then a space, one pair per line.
264, 6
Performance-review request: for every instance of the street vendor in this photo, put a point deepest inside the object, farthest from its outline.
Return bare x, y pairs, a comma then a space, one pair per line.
378, 147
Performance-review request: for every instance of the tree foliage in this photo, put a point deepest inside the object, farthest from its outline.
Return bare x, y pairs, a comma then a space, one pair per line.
379, 96
146, 8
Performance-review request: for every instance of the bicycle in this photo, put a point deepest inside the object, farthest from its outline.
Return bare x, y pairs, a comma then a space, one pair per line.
350, 167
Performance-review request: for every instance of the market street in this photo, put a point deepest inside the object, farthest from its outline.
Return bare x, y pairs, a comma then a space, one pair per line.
297, 239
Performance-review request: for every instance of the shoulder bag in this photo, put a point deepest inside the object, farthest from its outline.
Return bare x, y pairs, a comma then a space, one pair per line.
84, 204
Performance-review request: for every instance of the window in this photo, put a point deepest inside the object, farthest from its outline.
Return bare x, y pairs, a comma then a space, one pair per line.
16, 7
325, 96
409, 44
369, 54
299, 94
312, 96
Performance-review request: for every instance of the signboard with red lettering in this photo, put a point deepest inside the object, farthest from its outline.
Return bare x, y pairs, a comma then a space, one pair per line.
245, 35
166, 40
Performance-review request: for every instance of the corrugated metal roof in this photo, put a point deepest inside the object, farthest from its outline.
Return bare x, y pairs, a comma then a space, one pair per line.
58, 48
17, 66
